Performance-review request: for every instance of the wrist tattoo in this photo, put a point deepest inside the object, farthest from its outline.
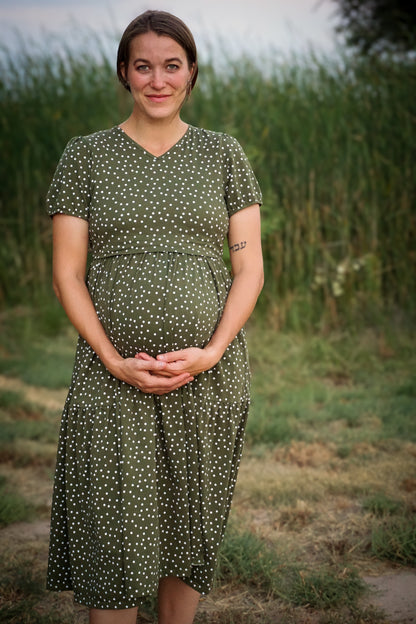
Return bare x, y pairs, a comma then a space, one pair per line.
238, 246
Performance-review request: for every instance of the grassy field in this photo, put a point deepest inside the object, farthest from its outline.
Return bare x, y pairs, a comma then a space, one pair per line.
326, 491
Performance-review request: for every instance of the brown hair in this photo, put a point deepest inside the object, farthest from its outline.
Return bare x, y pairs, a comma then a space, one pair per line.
161, 23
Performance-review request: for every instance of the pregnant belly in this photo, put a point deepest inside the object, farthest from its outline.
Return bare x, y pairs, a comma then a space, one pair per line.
157, 302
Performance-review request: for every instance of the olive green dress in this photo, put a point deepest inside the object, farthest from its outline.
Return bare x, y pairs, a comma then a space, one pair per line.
144, 483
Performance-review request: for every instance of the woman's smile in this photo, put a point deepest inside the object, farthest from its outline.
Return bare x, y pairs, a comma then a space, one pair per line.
154, 97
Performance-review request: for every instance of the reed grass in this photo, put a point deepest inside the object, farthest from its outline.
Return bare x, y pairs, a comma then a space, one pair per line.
332, 142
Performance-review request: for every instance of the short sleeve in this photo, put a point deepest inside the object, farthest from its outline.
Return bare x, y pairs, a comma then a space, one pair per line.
70, 190
241, 186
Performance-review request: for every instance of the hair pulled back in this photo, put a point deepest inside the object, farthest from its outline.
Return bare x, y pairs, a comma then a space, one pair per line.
163, 24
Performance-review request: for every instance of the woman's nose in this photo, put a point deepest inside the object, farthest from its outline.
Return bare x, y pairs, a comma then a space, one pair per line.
157, 80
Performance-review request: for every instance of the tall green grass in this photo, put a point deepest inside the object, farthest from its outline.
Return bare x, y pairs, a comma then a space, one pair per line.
332, 142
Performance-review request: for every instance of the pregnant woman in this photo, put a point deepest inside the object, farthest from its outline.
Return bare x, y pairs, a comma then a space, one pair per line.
153, 425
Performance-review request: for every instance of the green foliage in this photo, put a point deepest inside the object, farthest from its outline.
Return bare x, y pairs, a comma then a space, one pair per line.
35, 347
13, 508
325, 588
14, 406
41, 365
29, 430
332, 143
28, 434
395, 539
10, 399
408, 388
323, 138
270, 426
341, 389
21, 588
381, 505
373, 26
245, 558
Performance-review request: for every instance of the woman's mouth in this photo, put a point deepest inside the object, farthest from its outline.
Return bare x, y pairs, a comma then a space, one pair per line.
157, 97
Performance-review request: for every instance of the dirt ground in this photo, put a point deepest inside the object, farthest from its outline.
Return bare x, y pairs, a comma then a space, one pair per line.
395, 595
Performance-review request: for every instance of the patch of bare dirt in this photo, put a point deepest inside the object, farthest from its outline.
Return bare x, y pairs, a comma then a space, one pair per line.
395, 595
23, 532
306, 454
34, 483
44, 397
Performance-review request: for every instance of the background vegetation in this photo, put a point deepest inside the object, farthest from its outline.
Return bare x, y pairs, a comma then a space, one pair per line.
331, 141
374, 26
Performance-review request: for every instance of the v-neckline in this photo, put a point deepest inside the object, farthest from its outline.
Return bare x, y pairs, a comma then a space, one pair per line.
143, 149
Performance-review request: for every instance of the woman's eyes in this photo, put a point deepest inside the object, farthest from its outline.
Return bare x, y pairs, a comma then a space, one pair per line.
172, 67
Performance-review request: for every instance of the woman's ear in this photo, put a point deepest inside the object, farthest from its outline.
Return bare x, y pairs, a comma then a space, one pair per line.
123, 73
189, 82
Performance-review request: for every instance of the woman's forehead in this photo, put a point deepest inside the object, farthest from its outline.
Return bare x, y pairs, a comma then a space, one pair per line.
151, 45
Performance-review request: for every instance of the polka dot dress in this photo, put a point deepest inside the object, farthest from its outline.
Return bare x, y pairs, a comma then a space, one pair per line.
144, 483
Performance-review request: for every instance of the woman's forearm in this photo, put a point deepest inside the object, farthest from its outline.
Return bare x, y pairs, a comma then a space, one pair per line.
241, 300
70, 248
247, 268
76, 301
239, 305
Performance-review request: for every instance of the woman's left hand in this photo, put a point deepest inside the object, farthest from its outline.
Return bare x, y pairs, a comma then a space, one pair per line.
192, 360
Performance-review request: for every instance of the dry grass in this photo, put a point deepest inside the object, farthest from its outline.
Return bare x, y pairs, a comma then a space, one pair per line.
306, 496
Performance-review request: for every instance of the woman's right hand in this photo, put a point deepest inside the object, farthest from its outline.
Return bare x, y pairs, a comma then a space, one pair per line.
146, 373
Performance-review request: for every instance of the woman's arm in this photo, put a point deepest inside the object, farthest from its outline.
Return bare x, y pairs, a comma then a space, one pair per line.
244, 239
70, 246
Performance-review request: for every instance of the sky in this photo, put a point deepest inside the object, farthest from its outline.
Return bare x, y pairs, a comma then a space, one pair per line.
249, 25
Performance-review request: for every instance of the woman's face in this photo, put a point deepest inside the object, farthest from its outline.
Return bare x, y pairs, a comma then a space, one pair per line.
158, 74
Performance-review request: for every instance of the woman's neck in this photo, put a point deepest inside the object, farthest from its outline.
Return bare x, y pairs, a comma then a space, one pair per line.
156, 136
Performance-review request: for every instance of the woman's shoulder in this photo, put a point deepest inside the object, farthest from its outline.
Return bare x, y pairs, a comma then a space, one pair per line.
216, 140
88, 147
95, 139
